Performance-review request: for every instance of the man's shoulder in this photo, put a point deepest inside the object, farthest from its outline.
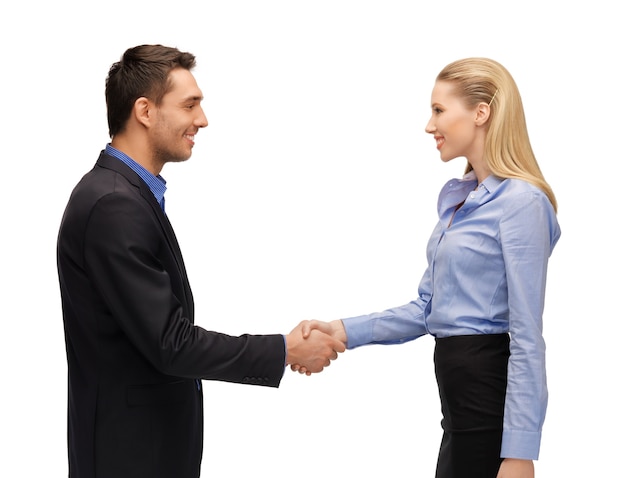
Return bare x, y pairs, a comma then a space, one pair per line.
106, 177
101, 185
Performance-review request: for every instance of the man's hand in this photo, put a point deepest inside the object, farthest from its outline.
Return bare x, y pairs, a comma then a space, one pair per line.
334, 329
313, 352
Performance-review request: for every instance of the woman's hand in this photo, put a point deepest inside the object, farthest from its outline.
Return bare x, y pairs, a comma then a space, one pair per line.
516, 468
335, 329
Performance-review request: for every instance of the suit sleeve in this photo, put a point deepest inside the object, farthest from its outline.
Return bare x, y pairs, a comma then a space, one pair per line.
125, 256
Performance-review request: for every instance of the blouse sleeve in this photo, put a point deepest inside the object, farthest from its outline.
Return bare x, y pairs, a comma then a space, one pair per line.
528, 233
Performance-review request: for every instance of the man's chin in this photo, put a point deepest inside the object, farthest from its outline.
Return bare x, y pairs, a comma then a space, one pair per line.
179, 159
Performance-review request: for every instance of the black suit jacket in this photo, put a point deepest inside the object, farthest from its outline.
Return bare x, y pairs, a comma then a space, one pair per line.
134, 355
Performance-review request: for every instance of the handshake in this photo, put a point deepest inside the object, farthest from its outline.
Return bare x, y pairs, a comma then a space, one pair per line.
313, 344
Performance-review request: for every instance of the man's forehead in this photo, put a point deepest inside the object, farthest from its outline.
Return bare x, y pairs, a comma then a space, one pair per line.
184, 86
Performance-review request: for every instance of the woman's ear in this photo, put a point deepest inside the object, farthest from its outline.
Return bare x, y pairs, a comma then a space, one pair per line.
483, 112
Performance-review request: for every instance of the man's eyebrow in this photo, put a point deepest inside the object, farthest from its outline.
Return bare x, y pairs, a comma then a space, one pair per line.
193, 98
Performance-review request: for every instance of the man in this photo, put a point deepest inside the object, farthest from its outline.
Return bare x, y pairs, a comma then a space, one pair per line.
135, 357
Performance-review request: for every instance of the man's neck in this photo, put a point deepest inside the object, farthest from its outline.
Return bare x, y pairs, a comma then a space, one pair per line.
137, 152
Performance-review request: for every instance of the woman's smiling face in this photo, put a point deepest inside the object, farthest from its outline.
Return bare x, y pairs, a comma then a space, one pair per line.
453, 125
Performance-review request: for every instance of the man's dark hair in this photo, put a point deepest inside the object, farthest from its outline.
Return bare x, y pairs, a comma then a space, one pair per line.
143, 71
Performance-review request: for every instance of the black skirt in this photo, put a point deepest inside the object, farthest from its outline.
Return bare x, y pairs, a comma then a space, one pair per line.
471, 374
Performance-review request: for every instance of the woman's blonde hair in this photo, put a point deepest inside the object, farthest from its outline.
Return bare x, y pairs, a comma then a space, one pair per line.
508, 153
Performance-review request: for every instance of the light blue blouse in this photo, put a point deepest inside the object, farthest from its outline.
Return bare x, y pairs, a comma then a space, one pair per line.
486, 274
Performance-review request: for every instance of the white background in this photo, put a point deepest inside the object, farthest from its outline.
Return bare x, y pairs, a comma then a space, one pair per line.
311, 195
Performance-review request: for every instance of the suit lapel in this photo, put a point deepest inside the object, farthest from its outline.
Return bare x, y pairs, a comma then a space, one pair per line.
115, 164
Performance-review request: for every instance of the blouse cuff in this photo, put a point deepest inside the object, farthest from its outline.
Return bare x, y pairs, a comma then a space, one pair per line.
520, 444
358, 331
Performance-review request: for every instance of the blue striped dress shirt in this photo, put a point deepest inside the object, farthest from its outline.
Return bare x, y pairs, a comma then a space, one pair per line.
155, 183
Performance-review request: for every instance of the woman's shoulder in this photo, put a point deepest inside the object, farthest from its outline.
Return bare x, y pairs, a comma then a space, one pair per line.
513, 194
520, 189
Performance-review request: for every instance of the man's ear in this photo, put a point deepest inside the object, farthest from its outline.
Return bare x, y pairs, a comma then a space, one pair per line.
483, 112
143, 111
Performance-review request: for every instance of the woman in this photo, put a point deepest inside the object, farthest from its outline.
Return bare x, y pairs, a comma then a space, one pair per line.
482, 294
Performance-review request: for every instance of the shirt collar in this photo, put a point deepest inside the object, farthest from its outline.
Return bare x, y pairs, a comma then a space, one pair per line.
490, 182
156, 184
